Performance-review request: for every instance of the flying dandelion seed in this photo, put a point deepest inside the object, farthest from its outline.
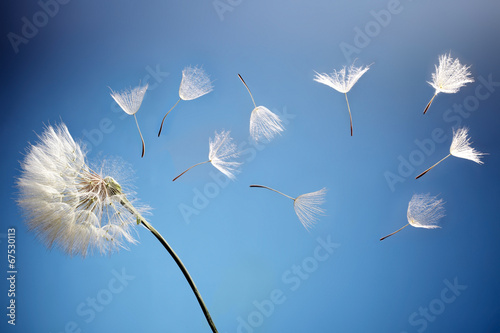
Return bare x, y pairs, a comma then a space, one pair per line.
342, 81
221, 150
306, 206
195, 83
69, 205
264, 124
460, 147
449, 77
424, 211
130, 101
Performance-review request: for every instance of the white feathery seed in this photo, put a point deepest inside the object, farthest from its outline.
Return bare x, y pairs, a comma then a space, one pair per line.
264, 124
195, 83
69, 205
130, 100
307, 207
425, 211
461, 146
342, 81
222, 150
450, 75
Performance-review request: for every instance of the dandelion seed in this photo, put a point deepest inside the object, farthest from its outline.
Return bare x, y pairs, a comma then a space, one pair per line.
449, 77
264, 124
221, 150
306, 206
424, 211
460, 147
130, 101
342, 81
69, 205
195, 83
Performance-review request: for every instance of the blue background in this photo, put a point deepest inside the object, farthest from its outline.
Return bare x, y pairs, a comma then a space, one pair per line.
242, 243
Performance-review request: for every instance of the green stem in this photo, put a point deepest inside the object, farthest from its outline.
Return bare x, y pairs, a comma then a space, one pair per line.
165, 116
261, 186
176, 258
423, 173
255, 105
394, 232
349, 108
142, 139
190, 169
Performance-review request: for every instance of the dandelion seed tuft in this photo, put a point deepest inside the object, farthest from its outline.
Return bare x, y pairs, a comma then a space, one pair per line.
195, 83
69, 205
425, 211
461, 146
307, 207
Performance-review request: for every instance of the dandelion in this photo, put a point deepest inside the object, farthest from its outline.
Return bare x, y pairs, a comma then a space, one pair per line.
195, 83
424, 211
69, 205
342, 81
264, 124
460, 147
449, 77
130, 101
306, 206
221, 150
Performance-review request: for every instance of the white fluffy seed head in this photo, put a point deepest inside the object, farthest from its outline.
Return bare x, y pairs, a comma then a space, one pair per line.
461, 146
307, 207
450, 75
342, 80
222, 150
66, 203
425, 211
130, 100
195, 83
264, 124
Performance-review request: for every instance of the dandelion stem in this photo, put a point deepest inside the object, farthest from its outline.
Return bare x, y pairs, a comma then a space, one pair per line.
177, 260
423, 173
430, 102
395, 232
255, 105
165, 116
143, 147
190, 169
261, 186
349, 108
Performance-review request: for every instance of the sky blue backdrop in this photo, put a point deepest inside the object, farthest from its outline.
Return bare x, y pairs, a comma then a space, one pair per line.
241, 244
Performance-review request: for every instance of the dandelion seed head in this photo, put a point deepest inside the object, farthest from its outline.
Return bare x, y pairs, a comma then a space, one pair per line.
222, 151
461, 146
450, 75
307, 207
264, 124
130, 100
342, 80
195, 83
425, 211
69, 205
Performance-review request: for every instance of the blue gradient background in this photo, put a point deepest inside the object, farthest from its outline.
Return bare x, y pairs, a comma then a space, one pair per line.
239, 247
